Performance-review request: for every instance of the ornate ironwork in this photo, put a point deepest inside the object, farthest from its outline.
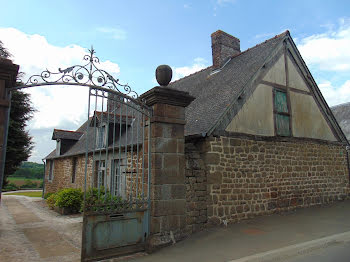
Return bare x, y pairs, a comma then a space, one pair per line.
88, 74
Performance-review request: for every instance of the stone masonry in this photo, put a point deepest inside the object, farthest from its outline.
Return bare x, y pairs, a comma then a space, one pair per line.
248, 177
196, 189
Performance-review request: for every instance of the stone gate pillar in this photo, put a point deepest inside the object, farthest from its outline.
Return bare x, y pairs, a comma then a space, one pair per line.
168, 190
8, 74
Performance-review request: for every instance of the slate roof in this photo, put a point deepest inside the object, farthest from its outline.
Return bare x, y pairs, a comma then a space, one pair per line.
342, 114
112, 118
215, 92
133, 137
66, 134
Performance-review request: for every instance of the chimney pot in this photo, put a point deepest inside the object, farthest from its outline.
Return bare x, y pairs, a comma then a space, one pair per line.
223, 47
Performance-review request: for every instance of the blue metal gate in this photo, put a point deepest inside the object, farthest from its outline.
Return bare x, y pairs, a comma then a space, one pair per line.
117, 175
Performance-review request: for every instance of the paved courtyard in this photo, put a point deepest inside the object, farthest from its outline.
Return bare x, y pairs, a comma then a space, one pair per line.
31, 232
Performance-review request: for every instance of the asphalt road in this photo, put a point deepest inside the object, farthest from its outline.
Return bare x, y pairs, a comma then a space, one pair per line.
337, 252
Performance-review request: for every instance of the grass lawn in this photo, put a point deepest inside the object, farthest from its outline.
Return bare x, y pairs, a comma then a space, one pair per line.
28, 194
20, 181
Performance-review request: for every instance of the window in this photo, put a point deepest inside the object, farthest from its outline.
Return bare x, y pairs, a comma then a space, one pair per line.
100, 142
281, 111
100, 174
58, 147
50, 170
74, 168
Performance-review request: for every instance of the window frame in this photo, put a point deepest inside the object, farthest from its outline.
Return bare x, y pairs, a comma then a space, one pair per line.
276, 113
101, 141
51, 170
74, 169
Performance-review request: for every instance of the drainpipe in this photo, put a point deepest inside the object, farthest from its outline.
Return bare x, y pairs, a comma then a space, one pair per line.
43, 194
347, 148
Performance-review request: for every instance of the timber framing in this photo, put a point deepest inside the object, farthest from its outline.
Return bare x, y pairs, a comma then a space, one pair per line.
237, 104
287, 49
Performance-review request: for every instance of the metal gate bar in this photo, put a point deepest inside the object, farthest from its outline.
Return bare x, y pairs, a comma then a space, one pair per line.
117, 201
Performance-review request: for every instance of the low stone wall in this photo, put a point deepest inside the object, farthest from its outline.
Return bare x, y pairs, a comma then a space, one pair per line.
196, 189
247, 177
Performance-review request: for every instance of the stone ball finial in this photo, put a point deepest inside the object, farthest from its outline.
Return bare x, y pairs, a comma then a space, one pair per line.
164, 73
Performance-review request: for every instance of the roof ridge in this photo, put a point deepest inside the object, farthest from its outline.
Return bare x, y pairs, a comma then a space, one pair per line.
270, 39
342, 104
260, 44
55, 129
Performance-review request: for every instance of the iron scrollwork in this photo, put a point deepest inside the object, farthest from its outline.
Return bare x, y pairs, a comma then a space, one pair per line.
88, 74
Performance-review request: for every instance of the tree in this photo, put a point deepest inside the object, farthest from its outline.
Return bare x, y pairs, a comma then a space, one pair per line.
19, 142
3, 51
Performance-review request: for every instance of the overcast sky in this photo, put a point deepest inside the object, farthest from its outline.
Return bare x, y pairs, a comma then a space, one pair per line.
132, 38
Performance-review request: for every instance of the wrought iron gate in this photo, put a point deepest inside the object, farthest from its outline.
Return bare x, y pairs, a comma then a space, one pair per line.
117, 175
117, 160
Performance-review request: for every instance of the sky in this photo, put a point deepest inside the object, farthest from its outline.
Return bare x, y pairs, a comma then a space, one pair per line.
132, 38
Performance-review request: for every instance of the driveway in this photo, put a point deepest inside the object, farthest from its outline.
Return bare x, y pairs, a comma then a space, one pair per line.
31, 232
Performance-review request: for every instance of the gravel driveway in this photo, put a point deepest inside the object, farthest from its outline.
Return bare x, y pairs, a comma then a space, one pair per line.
29, 231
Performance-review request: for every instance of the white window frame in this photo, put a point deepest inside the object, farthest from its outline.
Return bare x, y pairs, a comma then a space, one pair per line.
100, 144
51, 170
74, 169
58, 147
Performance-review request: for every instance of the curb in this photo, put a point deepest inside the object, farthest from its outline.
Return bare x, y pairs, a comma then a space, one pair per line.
283, 253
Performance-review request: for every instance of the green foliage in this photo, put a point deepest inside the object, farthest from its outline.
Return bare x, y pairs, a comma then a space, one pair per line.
41, 185
51, 200
102, 198
29, 184
70, 198
46, 196
28, 194
30, 170
10, 187
19, 143
3, 51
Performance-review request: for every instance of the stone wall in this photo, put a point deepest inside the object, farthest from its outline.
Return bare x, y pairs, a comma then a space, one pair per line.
63, 169
62, 174
196, 189
248, 177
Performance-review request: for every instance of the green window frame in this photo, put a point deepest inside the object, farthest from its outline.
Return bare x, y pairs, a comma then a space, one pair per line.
281, 113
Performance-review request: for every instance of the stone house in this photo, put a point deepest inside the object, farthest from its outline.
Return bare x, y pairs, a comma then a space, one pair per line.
259, 137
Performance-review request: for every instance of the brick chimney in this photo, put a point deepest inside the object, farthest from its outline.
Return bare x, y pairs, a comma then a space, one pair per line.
223, 46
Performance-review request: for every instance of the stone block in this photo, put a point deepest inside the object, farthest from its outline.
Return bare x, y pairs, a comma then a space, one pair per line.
167, 176
211, 158
214, 221
168, 207
164, 145
214, 178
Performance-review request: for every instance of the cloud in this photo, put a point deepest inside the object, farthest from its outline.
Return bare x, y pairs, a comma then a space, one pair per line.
328, 51
198, 64
115, 33
264, 35
63, 107
223, 2
186, 6
335, 95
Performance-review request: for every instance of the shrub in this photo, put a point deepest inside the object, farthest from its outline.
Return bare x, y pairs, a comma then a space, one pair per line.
41, 185
29, 184
46, 196
105, 198
51, 200
11, 187
70, 198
